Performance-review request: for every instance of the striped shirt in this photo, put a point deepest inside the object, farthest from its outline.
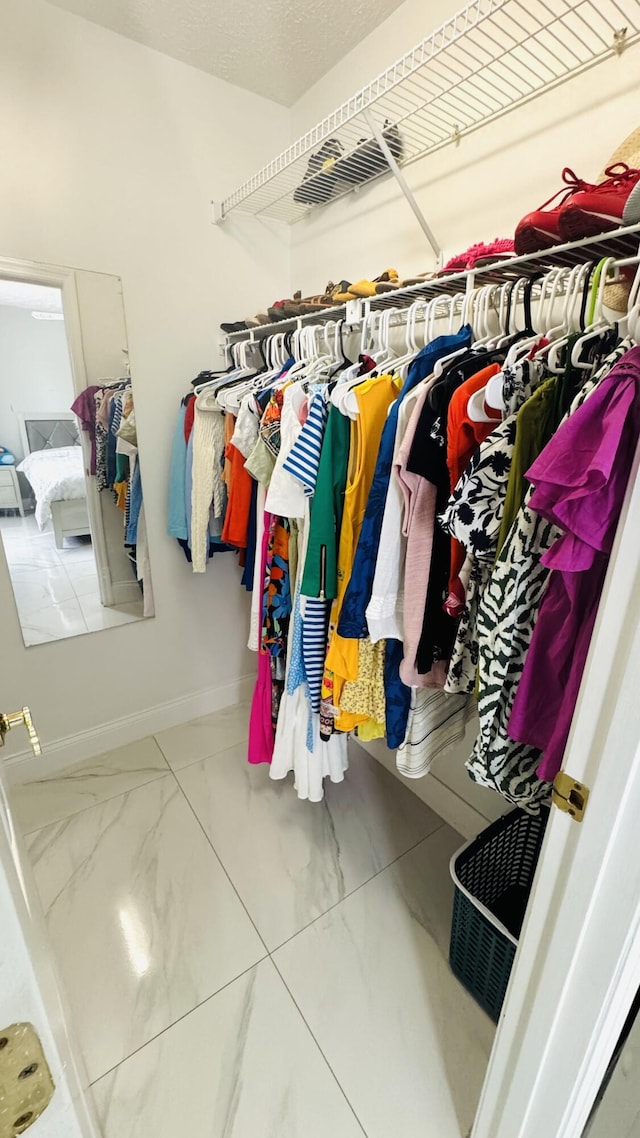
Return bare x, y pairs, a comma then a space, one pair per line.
304, 457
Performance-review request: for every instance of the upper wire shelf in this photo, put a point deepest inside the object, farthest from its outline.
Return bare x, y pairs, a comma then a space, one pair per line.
493, 56
617, 243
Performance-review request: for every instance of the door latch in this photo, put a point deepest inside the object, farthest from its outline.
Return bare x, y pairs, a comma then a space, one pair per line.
26, 1084
569, 795
11, 719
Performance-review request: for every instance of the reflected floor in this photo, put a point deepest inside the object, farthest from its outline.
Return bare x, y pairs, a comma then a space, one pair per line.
240, 964
56, 591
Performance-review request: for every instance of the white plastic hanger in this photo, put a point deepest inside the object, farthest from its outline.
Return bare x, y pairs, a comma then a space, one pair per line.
600, 322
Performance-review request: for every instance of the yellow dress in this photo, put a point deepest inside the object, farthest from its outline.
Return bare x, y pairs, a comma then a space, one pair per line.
373, 398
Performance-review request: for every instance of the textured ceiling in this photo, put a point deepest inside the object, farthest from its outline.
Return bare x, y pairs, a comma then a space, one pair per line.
37, 298
277, 48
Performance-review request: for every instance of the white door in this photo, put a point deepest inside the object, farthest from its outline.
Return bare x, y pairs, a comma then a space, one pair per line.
29, 990
577, 968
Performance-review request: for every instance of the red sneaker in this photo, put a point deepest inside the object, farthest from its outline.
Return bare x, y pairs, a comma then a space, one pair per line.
612, 203
541, 229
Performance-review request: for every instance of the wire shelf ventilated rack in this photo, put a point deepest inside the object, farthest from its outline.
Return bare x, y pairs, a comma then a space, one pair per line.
617, 243
493, 56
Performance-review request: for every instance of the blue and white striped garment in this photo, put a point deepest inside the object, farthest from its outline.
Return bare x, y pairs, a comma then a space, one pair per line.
304, 457
302, 462
116, 420
315, 623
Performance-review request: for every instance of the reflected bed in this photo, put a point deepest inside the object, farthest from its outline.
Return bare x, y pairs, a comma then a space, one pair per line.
54, 467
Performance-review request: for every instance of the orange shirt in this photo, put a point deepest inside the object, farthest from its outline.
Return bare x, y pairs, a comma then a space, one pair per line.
239, 485
464, 435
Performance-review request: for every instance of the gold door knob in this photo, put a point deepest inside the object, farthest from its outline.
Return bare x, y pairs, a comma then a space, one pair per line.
11, 719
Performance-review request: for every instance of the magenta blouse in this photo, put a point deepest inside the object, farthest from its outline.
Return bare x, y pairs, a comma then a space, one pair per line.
580, 479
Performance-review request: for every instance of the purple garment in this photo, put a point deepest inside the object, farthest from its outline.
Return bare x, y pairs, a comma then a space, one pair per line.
85, 408
580, 481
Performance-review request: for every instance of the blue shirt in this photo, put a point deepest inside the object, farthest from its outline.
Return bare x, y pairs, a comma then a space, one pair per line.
353, 621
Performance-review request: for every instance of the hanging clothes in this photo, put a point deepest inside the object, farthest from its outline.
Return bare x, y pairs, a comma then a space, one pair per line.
373, 398
506, 618
584, 500
413, 544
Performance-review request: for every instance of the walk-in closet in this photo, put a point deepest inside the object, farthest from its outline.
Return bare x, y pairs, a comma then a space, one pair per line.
319, 557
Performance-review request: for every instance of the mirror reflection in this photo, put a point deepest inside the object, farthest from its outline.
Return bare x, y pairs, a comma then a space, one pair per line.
71, 507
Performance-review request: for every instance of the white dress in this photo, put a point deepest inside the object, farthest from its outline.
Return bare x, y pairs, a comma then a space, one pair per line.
298, 746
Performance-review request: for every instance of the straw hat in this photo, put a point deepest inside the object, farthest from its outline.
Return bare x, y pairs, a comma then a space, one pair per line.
617, 295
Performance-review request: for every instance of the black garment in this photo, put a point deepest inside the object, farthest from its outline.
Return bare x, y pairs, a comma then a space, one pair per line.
428, 458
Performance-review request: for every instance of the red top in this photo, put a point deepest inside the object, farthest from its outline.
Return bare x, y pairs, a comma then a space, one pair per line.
464, 435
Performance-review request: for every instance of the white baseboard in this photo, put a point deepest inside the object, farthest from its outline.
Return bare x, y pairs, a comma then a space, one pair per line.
61, 753
458, 813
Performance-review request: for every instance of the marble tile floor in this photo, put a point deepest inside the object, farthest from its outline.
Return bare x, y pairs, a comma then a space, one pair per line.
239, 964
56, 590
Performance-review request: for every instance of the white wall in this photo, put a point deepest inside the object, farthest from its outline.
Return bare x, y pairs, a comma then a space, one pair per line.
110, 156
477, 190
35, 374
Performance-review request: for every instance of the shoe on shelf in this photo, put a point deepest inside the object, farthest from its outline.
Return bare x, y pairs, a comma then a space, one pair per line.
482, 253
613, 202
386, 282
541, 228
338, 293
419, 279
486, 252
275, 311
367, 159
234, 326
319, 183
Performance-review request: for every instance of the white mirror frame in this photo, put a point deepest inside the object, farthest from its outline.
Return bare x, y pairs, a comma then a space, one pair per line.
31, 272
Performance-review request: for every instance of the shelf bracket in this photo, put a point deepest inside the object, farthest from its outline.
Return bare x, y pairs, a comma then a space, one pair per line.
402, 182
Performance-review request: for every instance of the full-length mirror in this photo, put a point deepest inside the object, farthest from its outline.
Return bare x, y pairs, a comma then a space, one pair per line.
72, 518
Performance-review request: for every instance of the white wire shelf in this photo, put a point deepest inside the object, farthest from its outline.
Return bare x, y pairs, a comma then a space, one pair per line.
493, 56
618, 243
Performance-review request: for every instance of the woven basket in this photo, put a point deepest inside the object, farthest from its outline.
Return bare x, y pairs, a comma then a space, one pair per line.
493, 876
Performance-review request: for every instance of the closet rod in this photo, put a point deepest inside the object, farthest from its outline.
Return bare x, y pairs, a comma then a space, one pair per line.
399, 316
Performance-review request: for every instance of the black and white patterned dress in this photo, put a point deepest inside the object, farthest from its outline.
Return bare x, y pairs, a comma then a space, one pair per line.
474, 516
505, 621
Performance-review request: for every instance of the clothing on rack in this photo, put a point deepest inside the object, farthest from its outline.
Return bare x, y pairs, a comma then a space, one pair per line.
107, 416
426, 531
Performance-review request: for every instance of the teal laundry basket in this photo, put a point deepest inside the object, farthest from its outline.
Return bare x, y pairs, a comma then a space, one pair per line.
493, 875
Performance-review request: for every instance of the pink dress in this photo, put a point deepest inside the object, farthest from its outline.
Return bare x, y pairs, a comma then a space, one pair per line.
419, 518
261, 734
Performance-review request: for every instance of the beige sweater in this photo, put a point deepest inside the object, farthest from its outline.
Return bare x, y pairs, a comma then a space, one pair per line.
207, 487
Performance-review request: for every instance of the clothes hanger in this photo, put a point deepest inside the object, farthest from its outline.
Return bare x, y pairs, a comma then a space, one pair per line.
561, 335
558, 335
230, 392
485, 333
403, 362
341, 396
599, 321
465, 314
528, 338
346, 362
